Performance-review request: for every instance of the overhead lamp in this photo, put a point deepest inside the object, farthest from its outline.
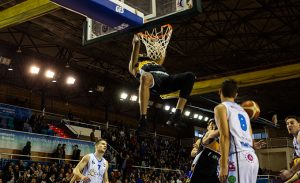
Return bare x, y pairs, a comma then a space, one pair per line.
123, 96
133, 98
200, 117
34, 70
49, 74
173, 109
70, 80
167, 107
187, 113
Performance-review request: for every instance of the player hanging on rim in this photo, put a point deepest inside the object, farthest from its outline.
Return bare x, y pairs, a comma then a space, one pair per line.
154, 78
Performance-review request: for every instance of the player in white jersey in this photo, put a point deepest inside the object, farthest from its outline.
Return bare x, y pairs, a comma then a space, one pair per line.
293, 127
93, 167
238, 162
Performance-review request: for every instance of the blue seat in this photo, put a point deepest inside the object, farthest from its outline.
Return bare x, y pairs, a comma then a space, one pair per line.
10, 124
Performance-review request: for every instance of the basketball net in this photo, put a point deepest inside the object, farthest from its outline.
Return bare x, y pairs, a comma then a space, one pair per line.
156, 41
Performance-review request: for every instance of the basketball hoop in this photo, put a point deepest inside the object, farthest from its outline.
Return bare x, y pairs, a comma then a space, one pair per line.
156, 42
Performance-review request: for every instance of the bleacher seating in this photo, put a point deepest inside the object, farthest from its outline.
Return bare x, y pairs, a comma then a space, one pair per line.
58, 131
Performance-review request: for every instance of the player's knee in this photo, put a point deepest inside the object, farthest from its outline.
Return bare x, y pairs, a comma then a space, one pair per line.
189, 79
146, 79
190, 76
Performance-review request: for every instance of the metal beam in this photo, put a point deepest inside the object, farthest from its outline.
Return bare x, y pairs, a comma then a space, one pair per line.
246, 79
25, 11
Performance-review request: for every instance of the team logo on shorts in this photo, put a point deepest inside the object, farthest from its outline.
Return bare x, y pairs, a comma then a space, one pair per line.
249, 158
231, 179
231, 166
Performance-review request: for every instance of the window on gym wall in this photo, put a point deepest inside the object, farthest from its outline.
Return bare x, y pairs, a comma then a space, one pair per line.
260, 135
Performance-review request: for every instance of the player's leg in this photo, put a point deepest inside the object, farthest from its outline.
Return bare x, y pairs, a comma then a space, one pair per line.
233, 169
248, 167
183, 82
146, 81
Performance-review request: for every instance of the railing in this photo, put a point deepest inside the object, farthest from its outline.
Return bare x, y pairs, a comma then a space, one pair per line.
268, 179
92, 124
112, 165
10, 156
279, 142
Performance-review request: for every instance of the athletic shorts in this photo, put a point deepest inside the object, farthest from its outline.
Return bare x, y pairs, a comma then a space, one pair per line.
242, 167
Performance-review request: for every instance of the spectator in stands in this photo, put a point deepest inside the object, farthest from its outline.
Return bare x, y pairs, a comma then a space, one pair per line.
68, 176
32, 120
58, 152
8, 174
125, 167
70, 115
63, 154
24, 177
51, 178
75, 154
27, 127
17, 172
33, 180
39, 170
32, 168
92, 136
27, 151
43, 179
21, 166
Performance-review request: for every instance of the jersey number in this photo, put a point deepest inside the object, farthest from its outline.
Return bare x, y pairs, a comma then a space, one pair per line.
243, 123
99, 166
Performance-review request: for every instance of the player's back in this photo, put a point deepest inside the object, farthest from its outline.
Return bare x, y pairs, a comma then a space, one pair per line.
240, 128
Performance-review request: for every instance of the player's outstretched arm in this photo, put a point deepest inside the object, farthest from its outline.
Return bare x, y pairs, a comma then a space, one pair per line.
80, 166
210, 135
136, 44
195, 149
294, 178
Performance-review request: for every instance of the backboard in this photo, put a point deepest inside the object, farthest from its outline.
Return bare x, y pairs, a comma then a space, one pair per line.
155, 12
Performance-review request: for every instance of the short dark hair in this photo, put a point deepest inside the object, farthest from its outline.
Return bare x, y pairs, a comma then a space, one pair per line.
212, 120
99, 140
229, 88
292, 117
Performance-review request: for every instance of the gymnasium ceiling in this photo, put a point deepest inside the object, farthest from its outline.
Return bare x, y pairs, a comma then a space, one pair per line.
229, 38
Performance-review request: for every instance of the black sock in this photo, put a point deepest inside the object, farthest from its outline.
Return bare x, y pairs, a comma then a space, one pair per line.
143, 117
177, 112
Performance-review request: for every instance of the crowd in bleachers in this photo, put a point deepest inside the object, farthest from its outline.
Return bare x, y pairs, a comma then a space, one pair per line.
35, 124
35, 172
150, 151
127, 152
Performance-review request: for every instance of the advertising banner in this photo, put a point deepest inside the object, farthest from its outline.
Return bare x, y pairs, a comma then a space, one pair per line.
10, 139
